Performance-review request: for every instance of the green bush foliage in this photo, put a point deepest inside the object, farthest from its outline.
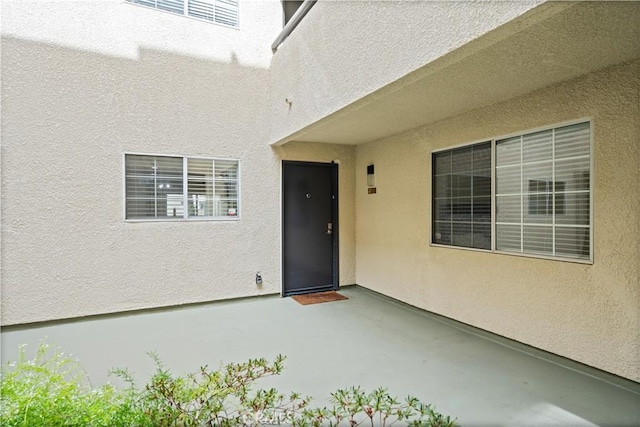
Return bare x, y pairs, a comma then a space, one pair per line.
53, 390
356, 407
217, 398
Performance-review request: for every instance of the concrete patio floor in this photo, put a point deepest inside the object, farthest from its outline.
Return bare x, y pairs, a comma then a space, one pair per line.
367, 340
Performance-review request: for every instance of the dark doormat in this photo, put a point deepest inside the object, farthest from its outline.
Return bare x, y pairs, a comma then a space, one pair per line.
318, 297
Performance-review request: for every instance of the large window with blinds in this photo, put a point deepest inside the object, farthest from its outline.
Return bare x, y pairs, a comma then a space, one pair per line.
174, 188
223, 12
539, 194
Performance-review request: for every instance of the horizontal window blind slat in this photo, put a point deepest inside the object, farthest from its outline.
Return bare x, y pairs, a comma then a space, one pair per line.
571, 141
442, 163
149, 3
537, 172
462, 195
461, 160
551, 214
508, 237
508, 180
201, 9
176, 6
224, 12
537, 147
155, 185
538, 240
509, 208
573, 242
509, 151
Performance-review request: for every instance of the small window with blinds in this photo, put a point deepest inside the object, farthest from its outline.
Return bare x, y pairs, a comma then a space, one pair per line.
225, 12
539, 187
462, 197
171, 188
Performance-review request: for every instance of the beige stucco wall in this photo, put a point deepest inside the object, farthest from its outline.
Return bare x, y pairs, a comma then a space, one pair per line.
589, 313
120, 78
82, 83
367, 45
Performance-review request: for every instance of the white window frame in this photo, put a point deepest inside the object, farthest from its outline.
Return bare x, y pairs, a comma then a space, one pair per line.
185, 13
493, 192
185, 183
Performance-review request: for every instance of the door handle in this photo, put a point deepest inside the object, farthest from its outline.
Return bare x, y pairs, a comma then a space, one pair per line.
329, 228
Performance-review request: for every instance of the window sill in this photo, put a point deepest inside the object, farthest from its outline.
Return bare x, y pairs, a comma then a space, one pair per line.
193, 219
491, 251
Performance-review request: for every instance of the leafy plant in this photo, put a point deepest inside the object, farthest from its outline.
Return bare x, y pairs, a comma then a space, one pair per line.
53, 390
356, 407
219, 398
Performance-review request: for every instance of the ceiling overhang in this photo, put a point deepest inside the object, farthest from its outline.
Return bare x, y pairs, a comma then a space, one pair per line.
548, 45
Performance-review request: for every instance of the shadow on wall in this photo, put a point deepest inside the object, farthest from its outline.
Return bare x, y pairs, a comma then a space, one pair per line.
161, 95
67, 117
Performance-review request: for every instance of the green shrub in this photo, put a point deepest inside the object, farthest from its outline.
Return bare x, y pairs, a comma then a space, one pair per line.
53, 390
217, 398
354, 407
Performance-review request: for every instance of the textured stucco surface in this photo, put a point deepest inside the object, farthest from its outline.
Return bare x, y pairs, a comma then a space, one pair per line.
552, 43
344, 50
120, 78
74, 99
589, 313
125, 30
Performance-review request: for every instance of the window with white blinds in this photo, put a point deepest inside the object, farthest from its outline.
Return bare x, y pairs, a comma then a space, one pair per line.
543, 192
165, 187
540, 188
224, 12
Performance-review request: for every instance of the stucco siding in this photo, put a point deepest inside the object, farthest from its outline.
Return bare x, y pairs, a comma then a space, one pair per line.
367, 45
119, 78
589, 313
85, 82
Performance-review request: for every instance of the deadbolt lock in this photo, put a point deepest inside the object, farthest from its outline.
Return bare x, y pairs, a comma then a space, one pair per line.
329, 228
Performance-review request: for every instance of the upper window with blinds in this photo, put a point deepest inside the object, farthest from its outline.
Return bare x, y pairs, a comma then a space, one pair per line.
225, 12
540, 193
173, 188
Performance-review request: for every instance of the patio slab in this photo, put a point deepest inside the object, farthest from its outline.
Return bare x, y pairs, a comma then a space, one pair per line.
367, 340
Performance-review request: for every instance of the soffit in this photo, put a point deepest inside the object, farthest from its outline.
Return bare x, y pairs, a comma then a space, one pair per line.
579, 39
